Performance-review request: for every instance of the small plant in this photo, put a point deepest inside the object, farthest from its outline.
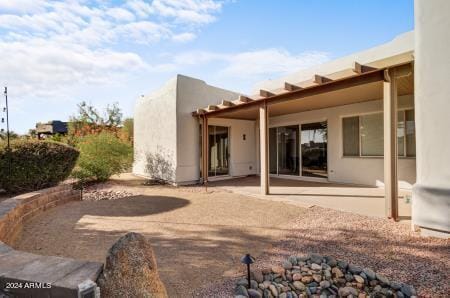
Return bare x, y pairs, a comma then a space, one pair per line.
101, 156
32, 165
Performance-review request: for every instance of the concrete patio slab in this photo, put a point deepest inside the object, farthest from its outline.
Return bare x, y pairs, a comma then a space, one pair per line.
364, 200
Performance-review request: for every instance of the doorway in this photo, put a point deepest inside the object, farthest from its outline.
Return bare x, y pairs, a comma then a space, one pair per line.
218, 143
314, 149
284, 150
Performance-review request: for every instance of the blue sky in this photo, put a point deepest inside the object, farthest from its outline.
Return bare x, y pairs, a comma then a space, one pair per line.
54, 54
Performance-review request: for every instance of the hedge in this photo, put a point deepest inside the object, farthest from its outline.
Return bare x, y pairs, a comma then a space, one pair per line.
33, 165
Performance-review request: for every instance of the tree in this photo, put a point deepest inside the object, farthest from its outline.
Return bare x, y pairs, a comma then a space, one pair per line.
127, 131
4, 135
90, 121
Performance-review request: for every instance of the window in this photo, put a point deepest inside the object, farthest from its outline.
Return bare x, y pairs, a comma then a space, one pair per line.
371, 131
351, 136
364, 135
410, 133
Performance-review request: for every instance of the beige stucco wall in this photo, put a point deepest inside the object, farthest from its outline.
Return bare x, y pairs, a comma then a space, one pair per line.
166, 133
357, 170
191, 94
155, 131
431, 196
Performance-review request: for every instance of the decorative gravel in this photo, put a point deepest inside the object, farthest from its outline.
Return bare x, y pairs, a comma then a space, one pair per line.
100, 193
304, 276
388, 248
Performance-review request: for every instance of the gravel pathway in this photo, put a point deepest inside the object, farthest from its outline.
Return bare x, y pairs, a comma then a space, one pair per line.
388, 248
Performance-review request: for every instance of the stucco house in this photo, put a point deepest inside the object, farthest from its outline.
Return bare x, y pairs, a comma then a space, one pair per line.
371, 118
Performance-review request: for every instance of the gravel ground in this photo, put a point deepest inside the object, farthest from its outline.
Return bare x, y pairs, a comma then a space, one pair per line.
199, 237
388, 248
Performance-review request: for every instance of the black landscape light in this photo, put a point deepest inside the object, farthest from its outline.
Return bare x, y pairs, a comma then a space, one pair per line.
247, 260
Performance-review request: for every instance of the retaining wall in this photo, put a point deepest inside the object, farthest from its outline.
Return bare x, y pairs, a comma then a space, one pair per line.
25, 274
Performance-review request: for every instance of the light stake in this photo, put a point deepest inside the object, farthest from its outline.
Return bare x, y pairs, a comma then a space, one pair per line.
247, 260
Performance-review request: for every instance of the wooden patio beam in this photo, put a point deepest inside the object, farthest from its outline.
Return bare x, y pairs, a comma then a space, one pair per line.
244, 99
291, 87
318, 79
213, 108
347, 82
227, 103
266, 93
361, 68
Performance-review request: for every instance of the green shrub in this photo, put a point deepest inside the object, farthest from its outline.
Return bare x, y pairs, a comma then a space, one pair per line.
101, 156
35, 164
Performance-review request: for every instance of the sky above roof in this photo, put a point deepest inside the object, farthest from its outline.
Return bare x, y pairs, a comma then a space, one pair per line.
55, 54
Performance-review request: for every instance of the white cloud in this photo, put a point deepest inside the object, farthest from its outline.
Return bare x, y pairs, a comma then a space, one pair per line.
184, 37
22, 6
121, 14
255, 64
49, 47
272, 61
190, 11
41, 69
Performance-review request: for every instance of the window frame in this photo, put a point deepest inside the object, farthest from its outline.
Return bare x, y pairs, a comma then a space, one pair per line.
359, 115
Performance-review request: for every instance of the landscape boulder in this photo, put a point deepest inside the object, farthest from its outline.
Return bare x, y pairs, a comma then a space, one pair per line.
131, 270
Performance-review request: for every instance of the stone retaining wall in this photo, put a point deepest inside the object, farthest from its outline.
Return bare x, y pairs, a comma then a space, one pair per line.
25, 274
16, 210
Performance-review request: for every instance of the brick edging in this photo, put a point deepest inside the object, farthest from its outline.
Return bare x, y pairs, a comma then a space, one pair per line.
15, 211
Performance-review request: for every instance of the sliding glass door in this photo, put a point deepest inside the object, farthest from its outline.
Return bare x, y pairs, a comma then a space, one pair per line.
218, 143
314, 149
284, 150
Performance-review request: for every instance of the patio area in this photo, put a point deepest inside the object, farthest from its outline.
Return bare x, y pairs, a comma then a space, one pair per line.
199, 236
363, 200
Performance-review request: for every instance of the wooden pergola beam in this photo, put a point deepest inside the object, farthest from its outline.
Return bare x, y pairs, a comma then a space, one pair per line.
243, 98
318, 79
227, 103
361, 68
266, 93
362, 79
291, 87
200, 111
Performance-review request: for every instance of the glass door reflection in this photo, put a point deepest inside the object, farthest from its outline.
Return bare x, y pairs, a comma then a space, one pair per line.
218, 143
284, 150
314, 149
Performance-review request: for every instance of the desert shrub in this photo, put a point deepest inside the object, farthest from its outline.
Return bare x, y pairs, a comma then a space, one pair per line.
101, 156
32, 165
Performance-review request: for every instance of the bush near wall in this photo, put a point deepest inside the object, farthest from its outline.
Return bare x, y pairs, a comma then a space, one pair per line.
101, 156
35, 165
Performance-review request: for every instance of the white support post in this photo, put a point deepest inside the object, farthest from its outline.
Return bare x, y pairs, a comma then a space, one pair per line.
264, 148
390, 143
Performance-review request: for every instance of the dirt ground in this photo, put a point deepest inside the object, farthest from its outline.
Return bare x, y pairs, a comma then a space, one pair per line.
198, 237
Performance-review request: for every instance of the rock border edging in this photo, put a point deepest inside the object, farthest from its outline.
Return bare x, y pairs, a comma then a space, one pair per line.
322, 276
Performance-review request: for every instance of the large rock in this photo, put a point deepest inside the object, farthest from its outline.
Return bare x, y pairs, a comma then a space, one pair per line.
130, 270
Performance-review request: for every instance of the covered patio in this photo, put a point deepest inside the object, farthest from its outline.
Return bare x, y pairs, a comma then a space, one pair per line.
358, 199
384, 79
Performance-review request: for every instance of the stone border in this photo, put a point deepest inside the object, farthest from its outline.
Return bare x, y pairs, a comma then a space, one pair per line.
17, 210
315, 275
47, 276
